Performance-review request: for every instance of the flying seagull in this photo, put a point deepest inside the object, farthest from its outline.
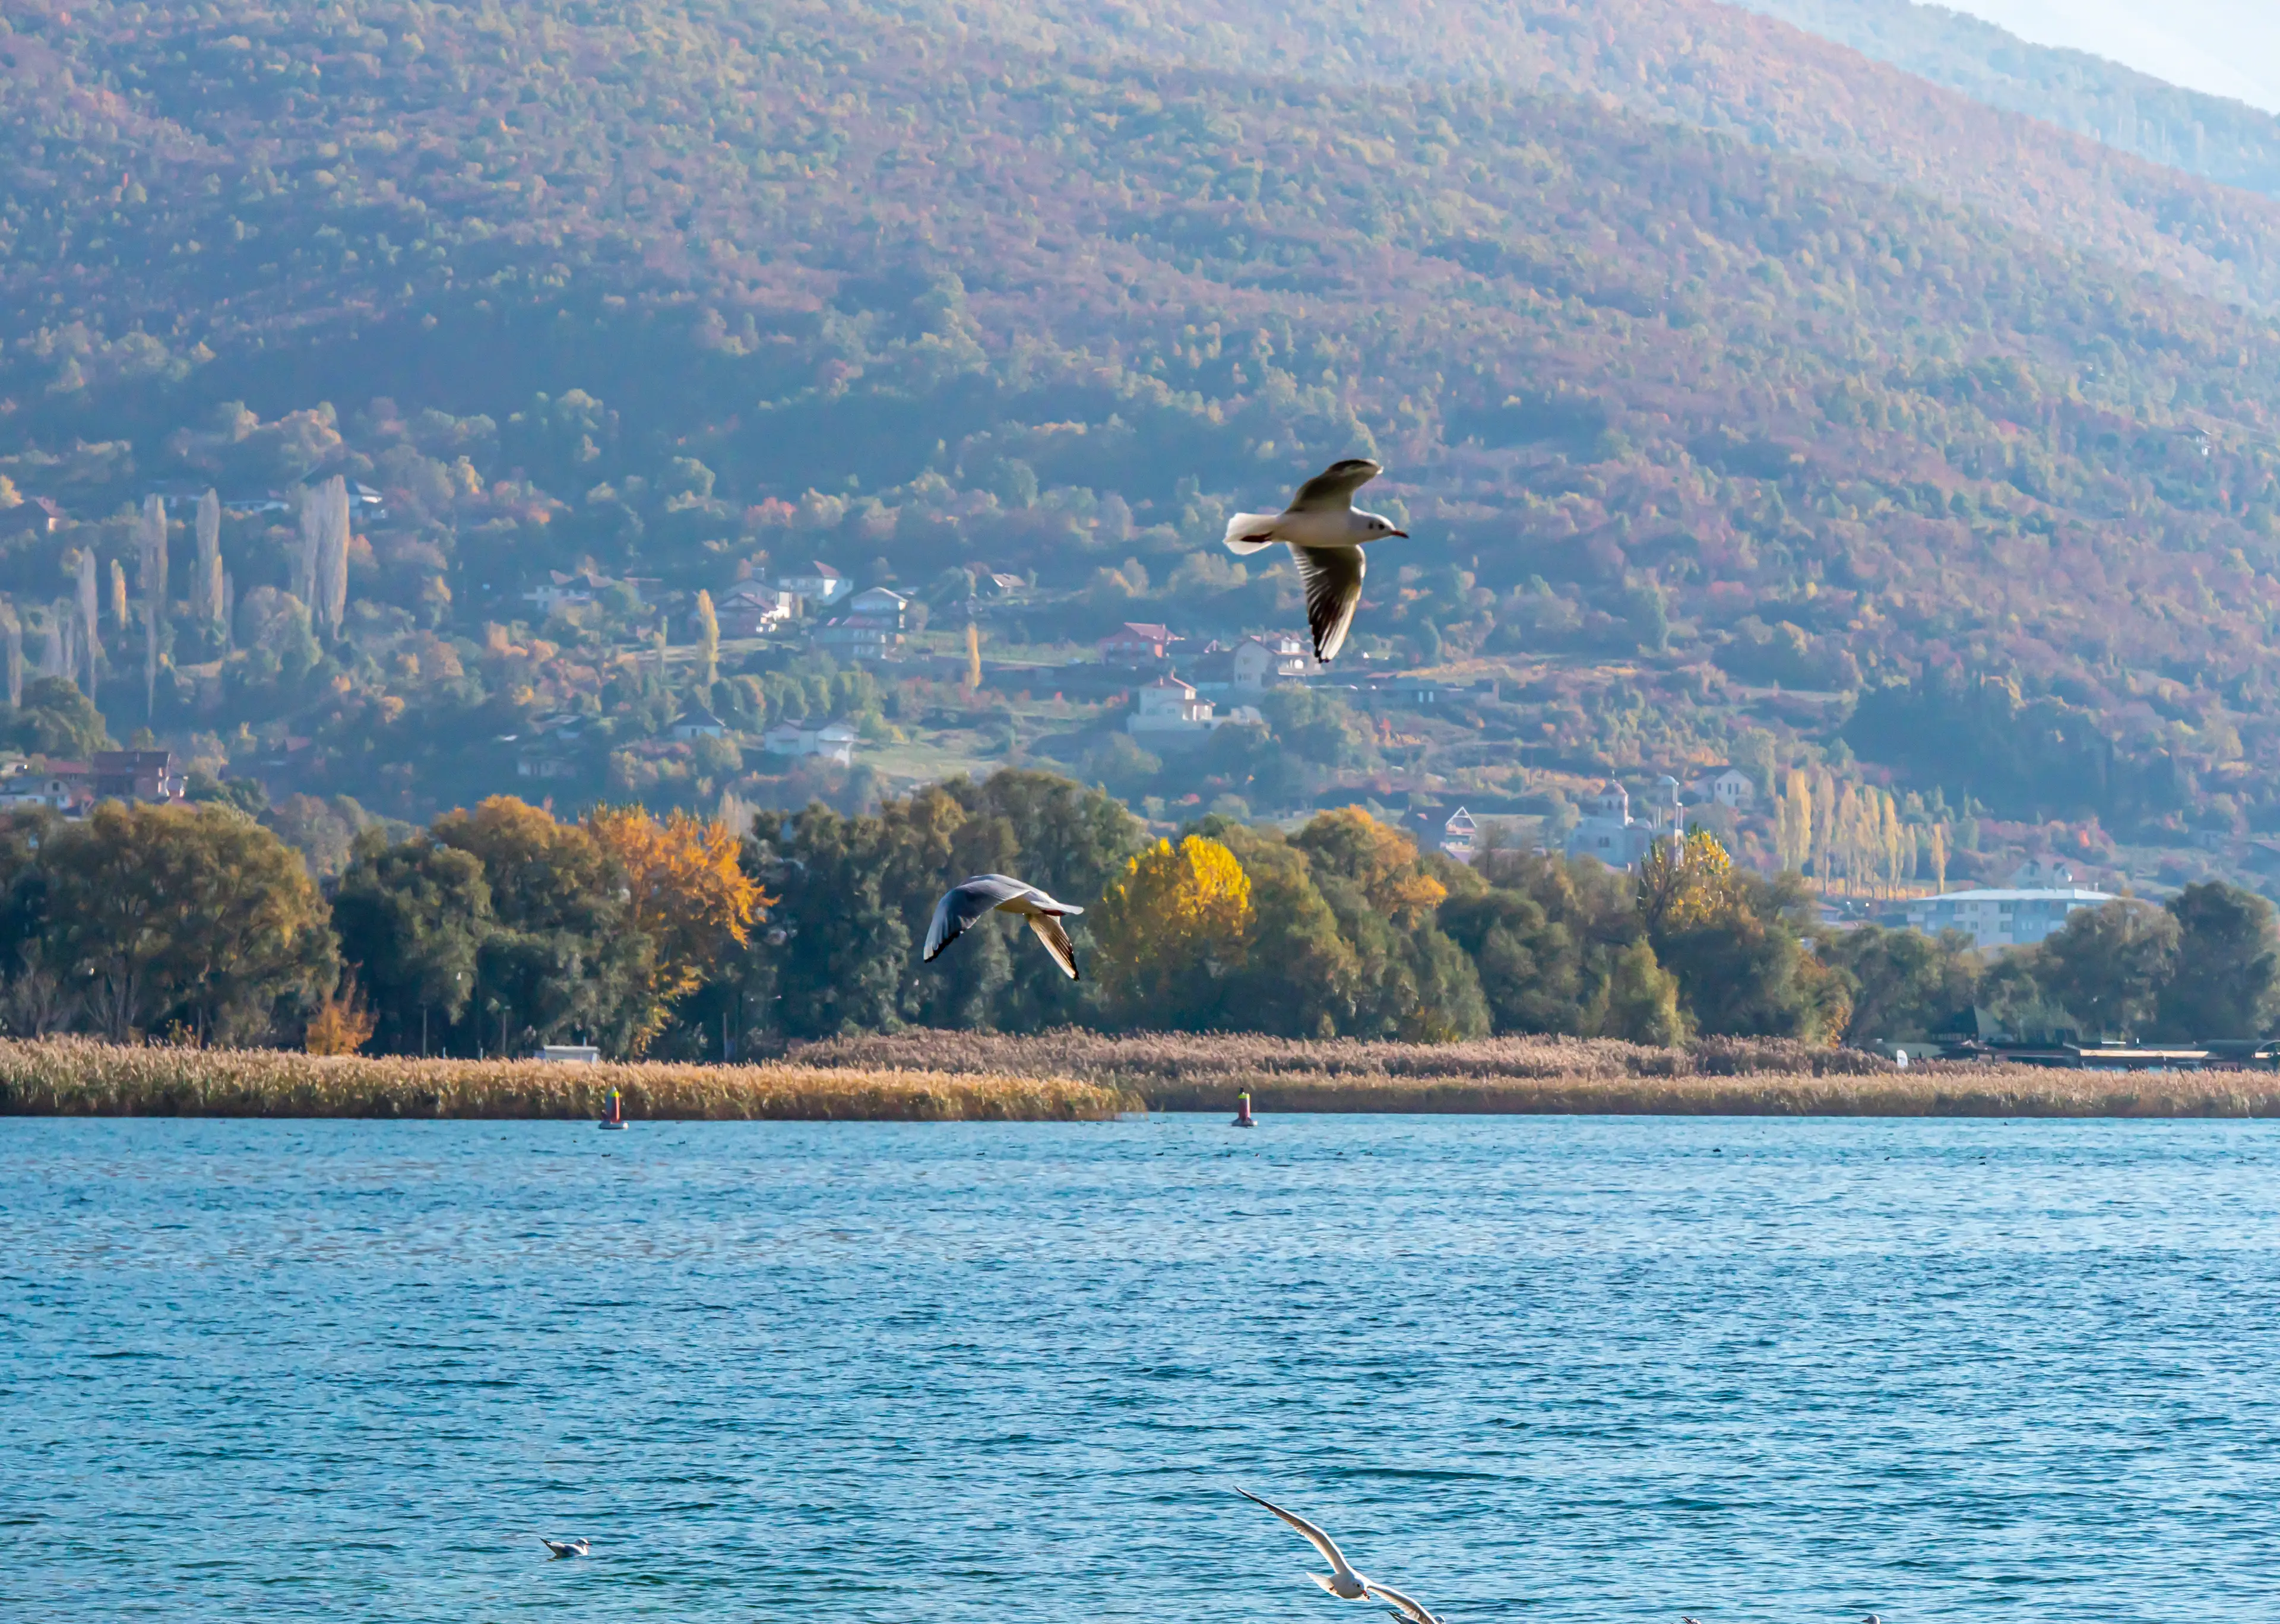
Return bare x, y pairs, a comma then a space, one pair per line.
962, 904
1342, 1582
566, 1547
1324, 532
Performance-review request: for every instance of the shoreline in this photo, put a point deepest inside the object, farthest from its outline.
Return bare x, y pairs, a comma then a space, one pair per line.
79, 1077
1073, 1076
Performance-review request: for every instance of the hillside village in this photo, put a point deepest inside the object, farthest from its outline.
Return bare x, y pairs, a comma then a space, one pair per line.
783, 681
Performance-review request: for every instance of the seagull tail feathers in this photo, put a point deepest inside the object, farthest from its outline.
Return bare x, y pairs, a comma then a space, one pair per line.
1329, 1582
1247, 533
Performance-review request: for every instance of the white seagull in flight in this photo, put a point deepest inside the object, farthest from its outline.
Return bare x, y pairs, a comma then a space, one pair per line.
1324, 532
1342, 1582
962, 904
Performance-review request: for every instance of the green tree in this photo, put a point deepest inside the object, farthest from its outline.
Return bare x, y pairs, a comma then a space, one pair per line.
1903, 983
564, 959
2107, 965
2228, 979
838, 945
1742, 964
1639, 999
55, 720
188, 915
412, 918
1300, 976
1317, 726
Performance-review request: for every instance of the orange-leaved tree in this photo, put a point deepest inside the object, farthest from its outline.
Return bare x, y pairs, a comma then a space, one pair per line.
686, 891
1376, 856
1170, 929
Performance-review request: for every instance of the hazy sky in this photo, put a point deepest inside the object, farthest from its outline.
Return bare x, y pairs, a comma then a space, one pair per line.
2230, 47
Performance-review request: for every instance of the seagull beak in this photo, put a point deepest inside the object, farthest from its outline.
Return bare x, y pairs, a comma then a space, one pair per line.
1404, 534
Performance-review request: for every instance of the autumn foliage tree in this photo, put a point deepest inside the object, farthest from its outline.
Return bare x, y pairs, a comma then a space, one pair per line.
686, 892
1175, 922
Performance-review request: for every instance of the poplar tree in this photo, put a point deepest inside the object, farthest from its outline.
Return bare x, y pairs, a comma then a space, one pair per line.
206, 581
87, 611
153, 583
12, 628
708, 643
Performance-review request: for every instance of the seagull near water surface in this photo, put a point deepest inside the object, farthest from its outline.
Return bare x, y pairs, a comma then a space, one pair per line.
1342, 1582
566, 1547
1324, 532
962, 904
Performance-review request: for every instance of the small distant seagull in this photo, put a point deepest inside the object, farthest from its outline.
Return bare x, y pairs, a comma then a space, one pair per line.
1324, 532
566, 1547
962, 904
1342, 1582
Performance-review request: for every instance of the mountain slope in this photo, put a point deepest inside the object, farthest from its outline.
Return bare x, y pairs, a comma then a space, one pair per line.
1722, 68
660, 286
2229, 143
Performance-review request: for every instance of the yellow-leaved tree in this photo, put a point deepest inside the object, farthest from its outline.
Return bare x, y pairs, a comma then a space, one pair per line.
1170, 930
688, 892
1684, 883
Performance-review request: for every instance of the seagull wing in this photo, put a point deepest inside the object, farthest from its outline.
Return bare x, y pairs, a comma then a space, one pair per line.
1334, 487
1411, 1608
1316, 1537
1057, 941
962, 904
1332, 577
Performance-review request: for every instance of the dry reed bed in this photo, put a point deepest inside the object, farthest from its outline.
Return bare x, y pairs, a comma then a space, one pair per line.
1554, 1076
77, 1077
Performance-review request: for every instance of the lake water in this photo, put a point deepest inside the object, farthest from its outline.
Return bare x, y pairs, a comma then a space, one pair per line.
1530, 1369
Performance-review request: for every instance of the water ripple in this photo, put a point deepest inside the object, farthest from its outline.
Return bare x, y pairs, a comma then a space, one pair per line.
1545, 1370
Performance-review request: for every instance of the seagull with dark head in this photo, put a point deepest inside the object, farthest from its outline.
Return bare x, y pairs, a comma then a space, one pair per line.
1325, 531
962, 904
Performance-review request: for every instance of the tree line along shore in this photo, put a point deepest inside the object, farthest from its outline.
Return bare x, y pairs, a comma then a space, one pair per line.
501, 928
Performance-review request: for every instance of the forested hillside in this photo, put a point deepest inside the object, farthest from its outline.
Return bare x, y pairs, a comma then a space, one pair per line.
2226, 141
1677, 417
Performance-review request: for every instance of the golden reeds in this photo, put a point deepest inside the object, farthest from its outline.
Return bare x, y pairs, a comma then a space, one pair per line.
80, 1077
1555, 1076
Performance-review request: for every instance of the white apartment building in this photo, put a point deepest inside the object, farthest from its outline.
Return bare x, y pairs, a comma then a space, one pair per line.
2001, 917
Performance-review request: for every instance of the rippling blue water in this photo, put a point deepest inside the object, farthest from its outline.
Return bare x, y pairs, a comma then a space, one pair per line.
1532, 1368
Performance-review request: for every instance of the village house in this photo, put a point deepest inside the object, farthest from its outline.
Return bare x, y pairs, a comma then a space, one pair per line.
2042, 873
548, 750
1135, 644
833, 741
698, 722
818, 586
750, 610
574, 590
1260, 663
1168, 709
136, 775
1458, 834
1727, 785
872, 629
64, 787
